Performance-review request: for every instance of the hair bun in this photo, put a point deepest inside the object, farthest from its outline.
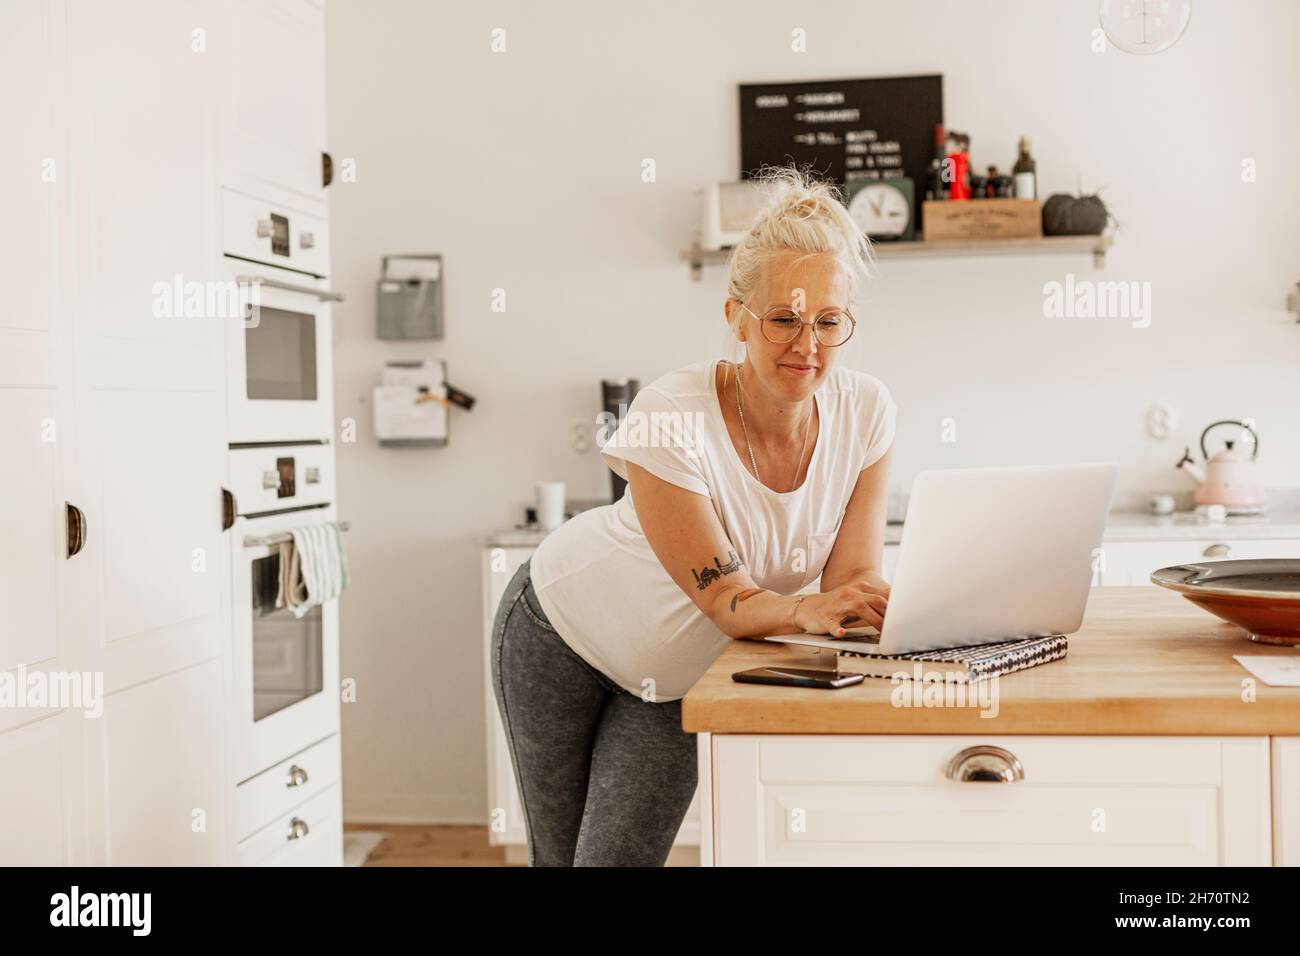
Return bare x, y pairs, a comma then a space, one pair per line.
802, 213
803, 205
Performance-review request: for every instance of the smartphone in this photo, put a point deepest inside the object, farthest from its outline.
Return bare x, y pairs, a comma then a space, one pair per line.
797, 677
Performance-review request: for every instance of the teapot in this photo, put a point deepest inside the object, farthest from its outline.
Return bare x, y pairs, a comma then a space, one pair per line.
1230, 478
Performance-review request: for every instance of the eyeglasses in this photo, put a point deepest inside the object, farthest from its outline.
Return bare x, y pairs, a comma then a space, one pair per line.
781, 325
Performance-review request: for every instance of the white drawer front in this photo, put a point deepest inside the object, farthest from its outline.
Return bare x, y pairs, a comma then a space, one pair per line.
288, 784
1130, 563
799, 800
1286, 801
319, 825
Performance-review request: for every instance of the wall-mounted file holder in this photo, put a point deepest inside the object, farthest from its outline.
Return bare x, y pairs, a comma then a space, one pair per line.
411, 406
408, 298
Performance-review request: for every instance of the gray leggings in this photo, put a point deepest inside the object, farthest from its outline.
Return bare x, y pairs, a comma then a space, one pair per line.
605, 778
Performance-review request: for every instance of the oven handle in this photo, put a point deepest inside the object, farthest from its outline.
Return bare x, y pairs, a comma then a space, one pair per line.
325, 295
265, 541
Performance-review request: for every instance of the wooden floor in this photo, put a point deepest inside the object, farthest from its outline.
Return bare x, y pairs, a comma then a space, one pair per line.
426, 845
445, 845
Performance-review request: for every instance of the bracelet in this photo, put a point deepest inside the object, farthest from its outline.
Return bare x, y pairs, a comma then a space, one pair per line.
795, 609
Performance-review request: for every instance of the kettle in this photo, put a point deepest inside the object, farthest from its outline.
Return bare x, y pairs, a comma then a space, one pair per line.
1230, 478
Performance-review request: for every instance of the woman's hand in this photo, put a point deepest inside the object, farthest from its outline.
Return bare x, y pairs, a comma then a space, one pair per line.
859, 603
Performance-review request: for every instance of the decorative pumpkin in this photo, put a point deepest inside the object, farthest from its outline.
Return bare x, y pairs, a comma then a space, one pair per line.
1066, 215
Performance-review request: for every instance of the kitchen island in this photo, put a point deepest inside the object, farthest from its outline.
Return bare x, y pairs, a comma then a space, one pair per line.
1147, 744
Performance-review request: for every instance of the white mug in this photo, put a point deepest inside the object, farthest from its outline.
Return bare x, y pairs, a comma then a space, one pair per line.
1161, 504
550, 504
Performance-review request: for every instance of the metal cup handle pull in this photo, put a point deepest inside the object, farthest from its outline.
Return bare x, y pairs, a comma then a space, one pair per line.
75, 528
985, 763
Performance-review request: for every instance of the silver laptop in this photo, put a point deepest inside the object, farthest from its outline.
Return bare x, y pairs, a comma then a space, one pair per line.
992, 554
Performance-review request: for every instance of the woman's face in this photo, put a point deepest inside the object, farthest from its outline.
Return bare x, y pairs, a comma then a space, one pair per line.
809, 284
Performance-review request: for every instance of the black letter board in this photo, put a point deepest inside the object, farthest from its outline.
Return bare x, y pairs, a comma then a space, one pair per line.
847, 130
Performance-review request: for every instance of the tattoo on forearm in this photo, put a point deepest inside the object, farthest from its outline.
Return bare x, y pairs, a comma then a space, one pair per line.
706, 577
743, 596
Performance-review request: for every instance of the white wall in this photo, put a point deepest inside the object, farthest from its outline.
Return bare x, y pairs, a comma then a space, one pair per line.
523, 169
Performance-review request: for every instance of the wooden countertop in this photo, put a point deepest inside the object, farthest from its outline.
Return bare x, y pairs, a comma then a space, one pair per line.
1145, 662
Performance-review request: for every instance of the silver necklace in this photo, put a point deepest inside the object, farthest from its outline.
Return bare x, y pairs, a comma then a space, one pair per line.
807, 429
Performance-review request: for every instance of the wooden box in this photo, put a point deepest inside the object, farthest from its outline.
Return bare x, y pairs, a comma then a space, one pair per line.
957, 219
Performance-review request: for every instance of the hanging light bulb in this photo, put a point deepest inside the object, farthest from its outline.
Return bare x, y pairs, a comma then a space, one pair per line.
1145, 26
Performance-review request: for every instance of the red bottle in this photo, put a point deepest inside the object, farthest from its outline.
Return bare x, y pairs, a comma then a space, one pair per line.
959, 165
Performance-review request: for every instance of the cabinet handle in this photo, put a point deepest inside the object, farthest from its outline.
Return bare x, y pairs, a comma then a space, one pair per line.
985, 764
1217, 551
228, 509
326, 169
74, 528
297, 776
298, 828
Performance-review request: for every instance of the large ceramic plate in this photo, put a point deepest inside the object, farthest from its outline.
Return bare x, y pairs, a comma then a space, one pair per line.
1262, 595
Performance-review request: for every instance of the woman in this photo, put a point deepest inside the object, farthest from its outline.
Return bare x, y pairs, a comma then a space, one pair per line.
745, 484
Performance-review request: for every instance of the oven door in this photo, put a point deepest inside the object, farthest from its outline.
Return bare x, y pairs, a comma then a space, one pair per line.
286, 668
279, 356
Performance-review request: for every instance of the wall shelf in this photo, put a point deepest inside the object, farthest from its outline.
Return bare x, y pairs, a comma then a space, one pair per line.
1050, 245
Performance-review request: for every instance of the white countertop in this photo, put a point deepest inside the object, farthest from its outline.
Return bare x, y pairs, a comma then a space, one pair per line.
1137, 526
1120, 526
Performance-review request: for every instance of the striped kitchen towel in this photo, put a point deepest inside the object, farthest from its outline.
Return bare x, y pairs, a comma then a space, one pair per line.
319, 566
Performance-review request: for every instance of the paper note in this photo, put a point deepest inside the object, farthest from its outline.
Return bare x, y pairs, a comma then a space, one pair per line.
1273, 669
399, 415
425, 374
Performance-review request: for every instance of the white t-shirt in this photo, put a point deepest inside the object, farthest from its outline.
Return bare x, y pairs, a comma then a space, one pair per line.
603, 588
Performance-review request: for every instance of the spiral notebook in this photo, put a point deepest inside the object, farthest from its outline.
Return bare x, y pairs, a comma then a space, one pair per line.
968, 664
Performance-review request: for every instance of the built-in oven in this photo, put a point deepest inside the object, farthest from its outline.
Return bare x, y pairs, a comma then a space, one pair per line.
285, 681
280, 346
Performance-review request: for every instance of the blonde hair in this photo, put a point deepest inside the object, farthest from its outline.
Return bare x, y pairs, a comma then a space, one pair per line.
803, 214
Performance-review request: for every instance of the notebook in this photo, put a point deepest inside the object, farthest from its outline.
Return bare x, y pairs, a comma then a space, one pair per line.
968, 664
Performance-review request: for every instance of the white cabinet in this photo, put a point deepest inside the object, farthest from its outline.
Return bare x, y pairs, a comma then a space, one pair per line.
505, 814
292, 814
150, 423
1130, 563
1083, 801
41, 765
278, 790
305, 836
148, 434
1286, 801
40, 819
37, 630
157, 791
273, 116
112, 398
